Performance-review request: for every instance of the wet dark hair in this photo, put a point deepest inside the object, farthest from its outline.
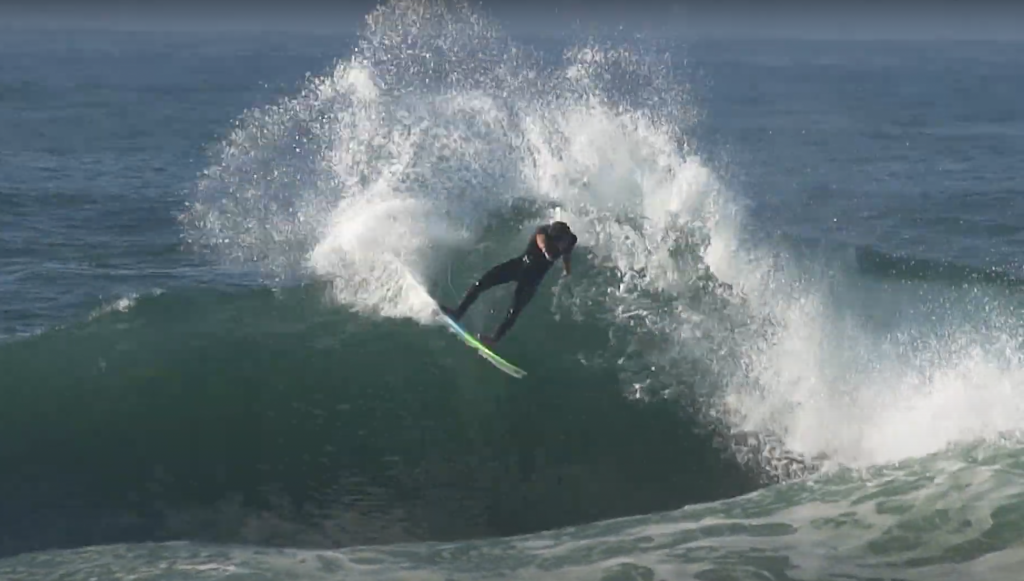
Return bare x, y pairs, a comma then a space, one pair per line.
562, 235
560, 228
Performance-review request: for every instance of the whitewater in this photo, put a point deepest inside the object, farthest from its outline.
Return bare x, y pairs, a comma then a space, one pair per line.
875, 412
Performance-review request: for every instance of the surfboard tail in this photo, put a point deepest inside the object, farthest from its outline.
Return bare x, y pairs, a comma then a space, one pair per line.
481, 349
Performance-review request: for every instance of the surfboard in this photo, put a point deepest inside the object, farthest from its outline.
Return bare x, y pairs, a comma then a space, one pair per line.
482, 349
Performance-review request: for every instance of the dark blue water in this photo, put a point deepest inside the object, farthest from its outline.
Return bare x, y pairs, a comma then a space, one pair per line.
903, 146
104, 132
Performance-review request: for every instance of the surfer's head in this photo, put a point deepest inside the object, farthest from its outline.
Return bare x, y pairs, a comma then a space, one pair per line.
562, 235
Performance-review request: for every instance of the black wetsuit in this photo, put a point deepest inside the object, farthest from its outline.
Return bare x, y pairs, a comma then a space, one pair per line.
527, 270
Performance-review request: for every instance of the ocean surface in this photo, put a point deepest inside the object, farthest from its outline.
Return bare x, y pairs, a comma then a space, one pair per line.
791, 346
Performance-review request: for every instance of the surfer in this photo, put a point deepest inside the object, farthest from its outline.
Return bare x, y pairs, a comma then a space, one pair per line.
548, 243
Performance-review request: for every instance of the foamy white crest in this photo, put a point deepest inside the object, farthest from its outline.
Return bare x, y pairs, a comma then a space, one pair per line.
373, 249
632, 193
829, 386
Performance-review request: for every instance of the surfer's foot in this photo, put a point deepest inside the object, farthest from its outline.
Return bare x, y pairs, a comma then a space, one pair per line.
450, 312
488, 340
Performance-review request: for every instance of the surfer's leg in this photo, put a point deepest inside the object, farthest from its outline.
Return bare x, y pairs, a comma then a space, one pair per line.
505, 272
524, 292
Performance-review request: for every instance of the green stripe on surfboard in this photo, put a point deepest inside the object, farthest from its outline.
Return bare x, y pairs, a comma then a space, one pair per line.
481, 348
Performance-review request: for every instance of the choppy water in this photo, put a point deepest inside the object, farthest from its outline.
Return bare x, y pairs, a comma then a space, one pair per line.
790, 347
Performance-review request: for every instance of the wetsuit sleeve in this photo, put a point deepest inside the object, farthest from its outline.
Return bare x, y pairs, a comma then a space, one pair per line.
546, 231
572, 243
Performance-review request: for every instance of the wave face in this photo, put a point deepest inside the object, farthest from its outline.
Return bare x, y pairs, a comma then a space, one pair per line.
274, 418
